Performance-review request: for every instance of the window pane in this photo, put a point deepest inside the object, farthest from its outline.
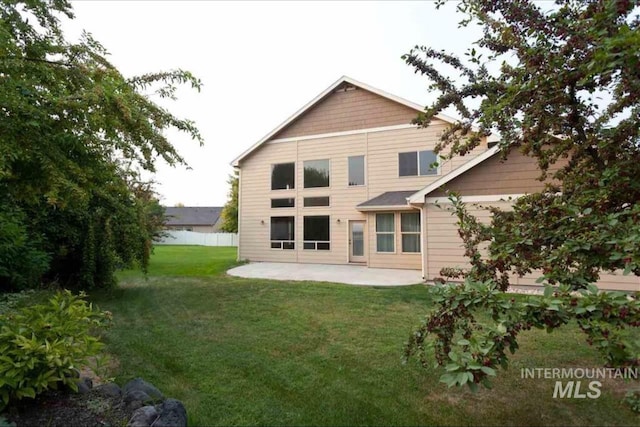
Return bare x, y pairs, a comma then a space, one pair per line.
316, 228
384, 223
316, 201
410, 243
283, 176
408, 163
288, 245
282, 228
385, 242
283, 203
316, 173
323, 246
410, 222
427, 158
356, 170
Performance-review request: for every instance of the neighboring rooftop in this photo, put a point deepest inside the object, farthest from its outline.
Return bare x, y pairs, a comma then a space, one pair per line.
192, 215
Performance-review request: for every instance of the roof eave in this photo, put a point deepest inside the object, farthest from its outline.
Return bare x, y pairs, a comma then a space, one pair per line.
418, 197
381, 208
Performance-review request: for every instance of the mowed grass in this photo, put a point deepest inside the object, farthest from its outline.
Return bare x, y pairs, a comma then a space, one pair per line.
258, 352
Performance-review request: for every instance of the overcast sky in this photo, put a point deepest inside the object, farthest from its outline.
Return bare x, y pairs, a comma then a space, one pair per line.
259, 63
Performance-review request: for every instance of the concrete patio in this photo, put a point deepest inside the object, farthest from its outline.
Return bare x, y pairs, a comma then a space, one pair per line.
348, 274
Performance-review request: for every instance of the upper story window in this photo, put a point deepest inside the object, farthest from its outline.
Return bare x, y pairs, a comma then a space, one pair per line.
283, 176
310, 202
356, 170
316, 173
283, 203
416, 163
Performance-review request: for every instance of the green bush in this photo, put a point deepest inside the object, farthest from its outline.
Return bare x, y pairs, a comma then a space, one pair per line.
42, 345
22, 263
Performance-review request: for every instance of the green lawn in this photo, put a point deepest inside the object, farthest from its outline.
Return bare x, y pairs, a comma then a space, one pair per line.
258, 352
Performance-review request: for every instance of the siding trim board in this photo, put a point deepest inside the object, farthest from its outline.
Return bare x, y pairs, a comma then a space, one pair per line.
475, 199
343, 133
418, 197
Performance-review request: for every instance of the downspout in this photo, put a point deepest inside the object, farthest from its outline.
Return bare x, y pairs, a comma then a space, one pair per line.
423, 234
424, 247
239, 211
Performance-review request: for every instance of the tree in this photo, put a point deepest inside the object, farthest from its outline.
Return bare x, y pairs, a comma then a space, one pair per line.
230, 210
566, 89
75, 135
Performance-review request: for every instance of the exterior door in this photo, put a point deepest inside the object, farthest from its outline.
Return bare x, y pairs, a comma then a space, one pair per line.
356, 241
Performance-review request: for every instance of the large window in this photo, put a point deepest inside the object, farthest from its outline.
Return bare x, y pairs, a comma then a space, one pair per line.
283, 203
356, 170
410, 230
416, 163
310, 202
385, 232
283, 176
316, 173
283, 232
316, 233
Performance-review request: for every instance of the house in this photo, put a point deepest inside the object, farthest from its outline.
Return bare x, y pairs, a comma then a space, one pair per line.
192, 218
349, 180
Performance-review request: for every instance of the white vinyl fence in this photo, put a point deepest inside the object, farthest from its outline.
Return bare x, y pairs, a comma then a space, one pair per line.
181, 237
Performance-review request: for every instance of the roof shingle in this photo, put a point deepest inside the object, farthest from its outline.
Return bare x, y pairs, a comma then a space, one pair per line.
192, 215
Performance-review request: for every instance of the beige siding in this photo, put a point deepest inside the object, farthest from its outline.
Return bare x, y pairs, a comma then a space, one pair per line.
382, 154
517, 174
255, 199
348, 110
443, 248
380, 149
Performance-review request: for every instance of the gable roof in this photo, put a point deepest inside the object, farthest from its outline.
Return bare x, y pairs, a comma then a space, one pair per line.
323, 95
418, 197
390, 199
192, 215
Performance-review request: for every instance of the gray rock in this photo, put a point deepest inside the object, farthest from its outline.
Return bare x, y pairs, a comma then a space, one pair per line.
108, 390
139, 384
143, 417
84, 385
172, 414
135, 399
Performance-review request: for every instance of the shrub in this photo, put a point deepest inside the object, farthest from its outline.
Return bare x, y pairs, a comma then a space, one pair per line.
22, 263
41, 345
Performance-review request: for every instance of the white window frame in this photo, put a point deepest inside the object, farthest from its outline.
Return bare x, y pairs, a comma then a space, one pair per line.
438, 159
281, 242
364, 170
304, 184
418, 233
393, 233
273, 165
315, 242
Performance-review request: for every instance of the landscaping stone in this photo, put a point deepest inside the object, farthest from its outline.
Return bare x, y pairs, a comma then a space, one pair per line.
172, 414
84, 385
135, 399
138, 384
143, 417
108, 390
